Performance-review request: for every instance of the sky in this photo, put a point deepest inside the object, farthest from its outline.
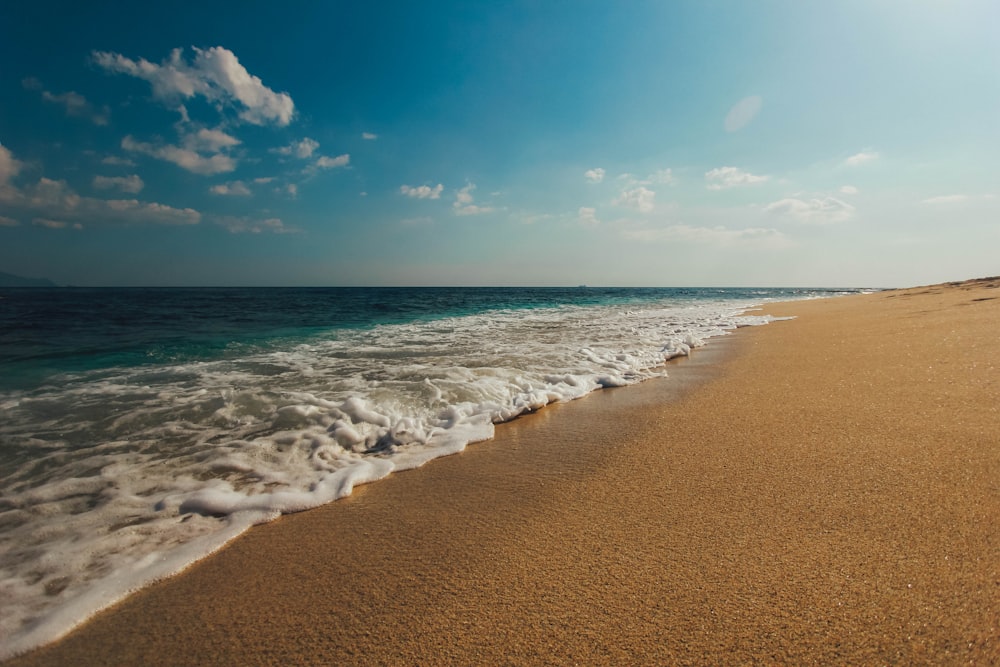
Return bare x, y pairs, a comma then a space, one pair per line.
662, 143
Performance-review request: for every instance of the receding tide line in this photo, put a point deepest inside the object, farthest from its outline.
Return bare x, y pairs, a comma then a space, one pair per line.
158, 566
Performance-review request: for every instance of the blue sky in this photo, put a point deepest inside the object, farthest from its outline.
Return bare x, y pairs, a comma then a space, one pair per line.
484, 143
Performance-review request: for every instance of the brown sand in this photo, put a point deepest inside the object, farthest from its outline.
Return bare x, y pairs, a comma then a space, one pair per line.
830, 496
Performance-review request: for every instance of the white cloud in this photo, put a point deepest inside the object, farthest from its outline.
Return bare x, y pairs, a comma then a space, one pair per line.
292, 190
464, 202
722, 178
661, 177
210, 141
249, 226
595, 175
640, 198
116, 161
263, 180
848, 190
301, 149
9, 165
325, 162
861, 158
814, 211
422, 191
232, 188
8, 222
946, 199
587, 216
369, 136
215, 74
710, 236
73, 102
742, 113
132, 183
54, 224
55, 201
185, 158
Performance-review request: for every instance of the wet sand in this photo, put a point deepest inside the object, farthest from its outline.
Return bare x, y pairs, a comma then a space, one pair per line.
824, 490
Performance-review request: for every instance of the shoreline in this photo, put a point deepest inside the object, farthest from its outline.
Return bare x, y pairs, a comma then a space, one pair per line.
820, 496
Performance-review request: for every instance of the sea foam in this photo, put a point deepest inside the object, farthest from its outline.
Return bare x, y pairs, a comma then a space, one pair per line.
137, 472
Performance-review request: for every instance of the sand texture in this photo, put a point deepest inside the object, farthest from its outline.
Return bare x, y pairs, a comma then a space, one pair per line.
825, 491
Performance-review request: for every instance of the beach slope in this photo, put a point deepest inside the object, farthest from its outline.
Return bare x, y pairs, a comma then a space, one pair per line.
823, 490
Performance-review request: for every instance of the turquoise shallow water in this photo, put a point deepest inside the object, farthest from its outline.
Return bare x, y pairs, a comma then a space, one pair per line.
141, 429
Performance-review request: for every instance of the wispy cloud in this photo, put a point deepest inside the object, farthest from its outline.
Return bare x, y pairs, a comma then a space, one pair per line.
214, 74
464, 202
422, 191
710, 236
743, 113
186, 158
74, 103
848, 190
302, 149
231, 189
369, 136
8, 222
861, 158
55, 224
131, 184
587, 216
641, 199
946, 199
238, 225
812, 211
723, 178
595, 175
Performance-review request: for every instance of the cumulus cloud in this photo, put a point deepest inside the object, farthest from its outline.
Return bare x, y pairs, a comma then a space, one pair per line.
9, 165
209, 141
861, 158
186, 158
55, 201
813, 211
232, 188
723, 178
214, 74
946, 199
595, 175
464, 205
325, 162
641, 198
587, 216
742, 113
131, 184
301, 149
422, 191
710, 236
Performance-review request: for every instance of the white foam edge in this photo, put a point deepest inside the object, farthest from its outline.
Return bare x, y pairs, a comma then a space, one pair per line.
156, 567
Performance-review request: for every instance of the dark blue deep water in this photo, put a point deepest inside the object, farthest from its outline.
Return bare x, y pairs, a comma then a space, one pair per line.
50, 331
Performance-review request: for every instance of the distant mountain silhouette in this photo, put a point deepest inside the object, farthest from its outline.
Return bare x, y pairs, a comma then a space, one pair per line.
10, 280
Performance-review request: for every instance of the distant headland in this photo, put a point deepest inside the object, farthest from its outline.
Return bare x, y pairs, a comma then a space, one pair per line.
10, 280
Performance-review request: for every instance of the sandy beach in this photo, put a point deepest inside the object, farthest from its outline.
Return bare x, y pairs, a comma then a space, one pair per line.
823, 490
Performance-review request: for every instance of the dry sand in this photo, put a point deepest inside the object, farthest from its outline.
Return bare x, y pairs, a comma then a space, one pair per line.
830, 494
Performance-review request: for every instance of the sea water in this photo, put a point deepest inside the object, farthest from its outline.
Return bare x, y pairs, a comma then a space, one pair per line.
142, 429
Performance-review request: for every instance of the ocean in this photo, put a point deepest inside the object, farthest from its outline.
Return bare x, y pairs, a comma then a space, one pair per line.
142, 429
